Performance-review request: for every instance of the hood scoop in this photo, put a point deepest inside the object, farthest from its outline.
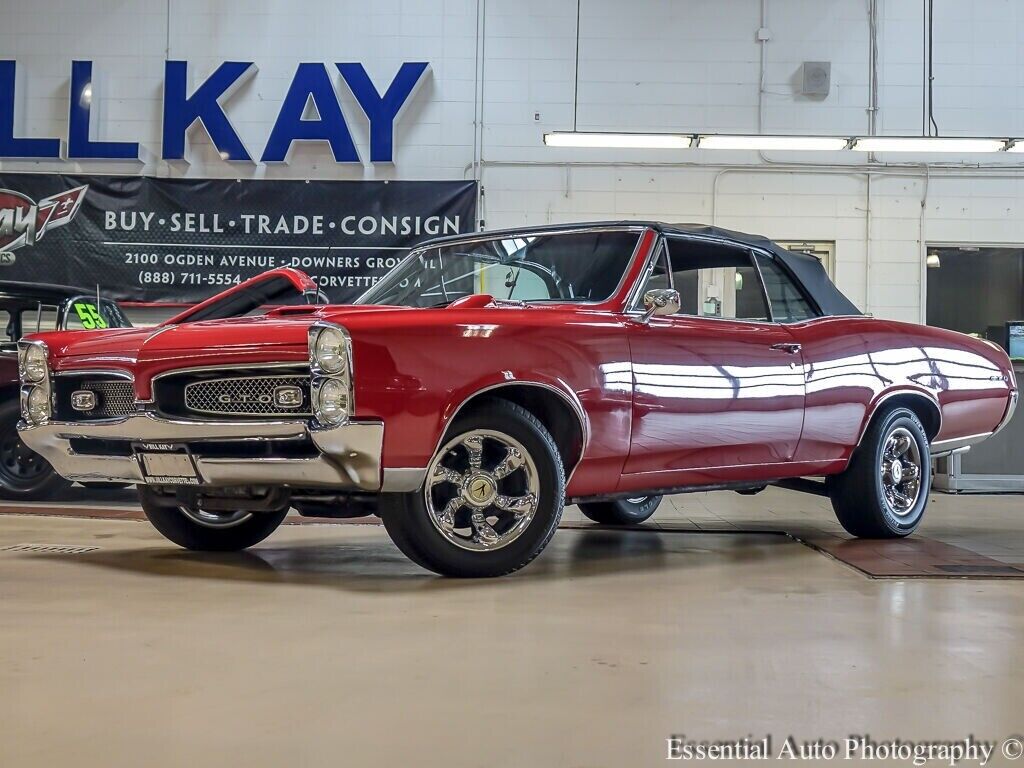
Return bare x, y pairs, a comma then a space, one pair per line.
480, 300
299, 309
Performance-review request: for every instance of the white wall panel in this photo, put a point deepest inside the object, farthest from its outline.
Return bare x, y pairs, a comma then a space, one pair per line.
643, 65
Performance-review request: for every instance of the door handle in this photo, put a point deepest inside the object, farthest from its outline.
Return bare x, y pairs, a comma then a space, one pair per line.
789, 348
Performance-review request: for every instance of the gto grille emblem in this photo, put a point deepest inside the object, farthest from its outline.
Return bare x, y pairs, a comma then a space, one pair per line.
288, 397
243, 398
83, 400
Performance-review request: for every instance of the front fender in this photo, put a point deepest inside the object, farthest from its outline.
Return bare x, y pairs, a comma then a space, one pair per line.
416, 378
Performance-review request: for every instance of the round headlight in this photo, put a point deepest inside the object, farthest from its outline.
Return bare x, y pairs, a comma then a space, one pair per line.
39, 404
332, 402
330, 351
35, 363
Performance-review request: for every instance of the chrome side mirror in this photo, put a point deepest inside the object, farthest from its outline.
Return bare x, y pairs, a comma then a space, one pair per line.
660, 301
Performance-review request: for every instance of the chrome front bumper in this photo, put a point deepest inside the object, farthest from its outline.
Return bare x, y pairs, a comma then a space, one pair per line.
349, 455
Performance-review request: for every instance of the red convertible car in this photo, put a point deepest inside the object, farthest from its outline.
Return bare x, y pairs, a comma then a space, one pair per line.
490, 378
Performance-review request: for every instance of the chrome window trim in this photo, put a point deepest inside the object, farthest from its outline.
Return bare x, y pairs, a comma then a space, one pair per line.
752, 252
503, 234
811, 302
634, 298
632, 309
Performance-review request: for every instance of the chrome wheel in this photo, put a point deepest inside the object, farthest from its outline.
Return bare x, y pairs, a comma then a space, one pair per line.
215, 519
901, 471
482, 490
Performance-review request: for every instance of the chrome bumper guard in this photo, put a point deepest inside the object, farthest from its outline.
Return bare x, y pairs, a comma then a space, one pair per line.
350, 455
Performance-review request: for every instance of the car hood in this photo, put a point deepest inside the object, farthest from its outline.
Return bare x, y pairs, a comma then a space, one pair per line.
278, 336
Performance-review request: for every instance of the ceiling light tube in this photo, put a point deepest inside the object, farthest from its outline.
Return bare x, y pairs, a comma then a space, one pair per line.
927, 144
618, 140
795, 143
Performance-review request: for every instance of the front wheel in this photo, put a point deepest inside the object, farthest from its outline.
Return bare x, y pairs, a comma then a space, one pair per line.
884, 490
492, 497
631, 511
208, 531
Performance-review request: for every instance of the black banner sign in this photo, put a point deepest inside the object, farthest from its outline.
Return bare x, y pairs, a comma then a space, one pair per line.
181, 240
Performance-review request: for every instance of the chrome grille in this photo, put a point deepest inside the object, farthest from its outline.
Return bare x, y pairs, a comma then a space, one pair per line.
248, 396
113, 398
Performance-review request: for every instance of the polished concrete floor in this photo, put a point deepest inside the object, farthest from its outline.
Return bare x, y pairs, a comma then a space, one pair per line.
323, 646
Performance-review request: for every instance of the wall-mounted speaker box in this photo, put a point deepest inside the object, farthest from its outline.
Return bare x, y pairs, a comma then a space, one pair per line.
817, 78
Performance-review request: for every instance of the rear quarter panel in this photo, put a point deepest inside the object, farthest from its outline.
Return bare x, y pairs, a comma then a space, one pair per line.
852, 364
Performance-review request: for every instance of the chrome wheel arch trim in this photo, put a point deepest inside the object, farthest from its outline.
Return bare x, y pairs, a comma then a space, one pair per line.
408, 479
927, 397
573, 401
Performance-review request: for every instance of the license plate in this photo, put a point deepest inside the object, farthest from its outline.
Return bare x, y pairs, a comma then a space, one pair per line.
167, 464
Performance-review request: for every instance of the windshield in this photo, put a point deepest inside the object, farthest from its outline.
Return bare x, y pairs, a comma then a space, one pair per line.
567, 267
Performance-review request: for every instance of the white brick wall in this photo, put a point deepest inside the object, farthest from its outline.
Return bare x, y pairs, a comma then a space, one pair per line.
644, 65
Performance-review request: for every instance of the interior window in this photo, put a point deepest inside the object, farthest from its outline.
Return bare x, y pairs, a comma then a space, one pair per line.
716, 281
788, 304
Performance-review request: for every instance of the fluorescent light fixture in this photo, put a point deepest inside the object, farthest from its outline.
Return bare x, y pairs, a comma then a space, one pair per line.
795, 143
618, 140
926, 144
919, 144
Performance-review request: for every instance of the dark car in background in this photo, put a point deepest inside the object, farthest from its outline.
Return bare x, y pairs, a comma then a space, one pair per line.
29, 308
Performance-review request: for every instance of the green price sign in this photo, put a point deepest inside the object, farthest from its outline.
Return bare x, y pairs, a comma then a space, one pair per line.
89, 315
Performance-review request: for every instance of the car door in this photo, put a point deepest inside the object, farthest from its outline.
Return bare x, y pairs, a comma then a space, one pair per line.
839, 374
718, 388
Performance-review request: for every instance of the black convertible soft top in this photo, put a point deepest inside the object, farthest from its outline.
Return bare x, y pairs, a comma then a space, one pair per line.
12, 291
804, 267
807, 269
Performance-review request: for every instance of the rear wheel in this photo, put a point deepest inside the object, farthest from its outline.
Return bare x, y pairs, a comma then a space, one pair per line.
884, 490
632, 511
492, 498
209, 531
24, 474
